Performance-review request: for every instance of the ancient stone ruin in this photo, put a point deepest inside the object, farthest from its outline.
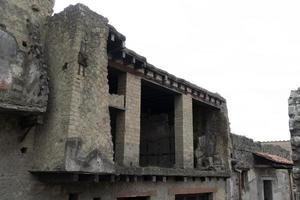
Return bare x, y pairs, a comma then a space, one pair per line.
84, 117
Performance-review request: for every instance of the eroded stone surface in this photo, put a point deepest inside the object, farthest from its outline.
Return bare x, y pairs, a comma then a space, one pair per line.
294, 125
23, 77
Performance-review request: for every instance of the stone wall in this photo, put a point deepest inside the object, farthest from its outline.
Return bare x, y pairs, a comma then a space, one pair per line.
67, 55
23, 77
210, 137
76, 133
243, 148
294, 124
247, 180
285, 144
253, 184
128, 130
157, 141
16, 157
157, 190
18, 184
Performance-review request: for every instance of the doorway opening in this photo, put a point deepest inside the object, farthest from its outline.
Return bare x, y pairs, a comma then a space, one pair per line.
268, 190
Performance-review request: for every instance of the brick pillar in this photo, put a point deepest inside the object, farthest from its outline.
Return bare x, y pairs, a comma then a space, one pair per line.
184, 132
128, 123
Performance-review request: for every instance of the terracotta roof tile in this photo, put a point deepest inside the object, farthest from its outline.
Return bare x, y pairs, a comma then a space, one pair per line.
274, 158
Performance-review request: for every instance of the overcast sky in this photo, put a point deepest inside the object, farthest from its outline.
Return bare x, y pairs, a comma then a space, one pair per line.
247, 51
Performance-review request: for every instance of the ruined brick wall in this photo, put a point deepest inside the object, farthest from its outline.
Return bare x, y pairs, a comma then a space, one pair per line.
277, 150
223, 143
285, 144
23, 78
243, 148
211, 138
76, 133
294, 124
16, 155
252, 177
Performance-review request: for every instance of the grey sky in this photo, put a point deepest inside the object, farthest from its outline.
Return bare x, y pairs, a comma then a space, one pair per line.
248, 51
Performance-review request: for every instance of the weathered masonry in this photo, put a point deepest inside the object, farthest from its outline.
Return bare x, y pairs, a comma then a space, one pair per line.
294, 124
260, 171
83, 117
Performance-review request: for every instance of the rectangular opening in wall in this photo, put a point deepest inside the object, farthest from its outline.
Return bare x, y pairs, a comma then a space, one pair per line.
205, 129
116, 83
268, 190
96, 198
244, 179
113, 80
134, 198
73, 196
157, 138
202, 196
115, 126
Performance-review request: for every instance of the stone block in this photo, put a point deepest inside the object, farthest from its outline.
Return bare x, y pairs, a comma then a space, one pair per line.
116, 101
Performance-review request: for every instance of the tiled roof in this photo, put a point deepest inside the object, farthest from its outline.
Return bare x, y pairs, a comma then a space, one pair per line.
274, 158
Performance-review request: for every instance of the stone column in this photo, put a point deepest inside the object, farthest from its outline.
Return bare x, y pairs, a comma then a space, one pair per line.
76, 134
128, 123
184, 132
294, 124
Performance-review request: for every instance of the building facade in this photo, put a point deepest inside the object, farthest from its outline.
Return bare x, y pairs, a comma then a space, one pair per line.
83, 117
260, 171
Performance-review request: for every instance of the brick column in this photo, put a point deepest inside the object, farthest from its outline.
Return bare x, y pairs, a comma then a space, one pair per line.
128, 123
184, 132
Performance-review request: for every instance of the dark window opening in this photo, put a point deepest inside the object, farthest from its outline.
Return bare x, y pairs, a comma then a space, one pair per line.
97, 198
205, 128
157, 138
113, 80
268, 190
73, 196
204, 196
